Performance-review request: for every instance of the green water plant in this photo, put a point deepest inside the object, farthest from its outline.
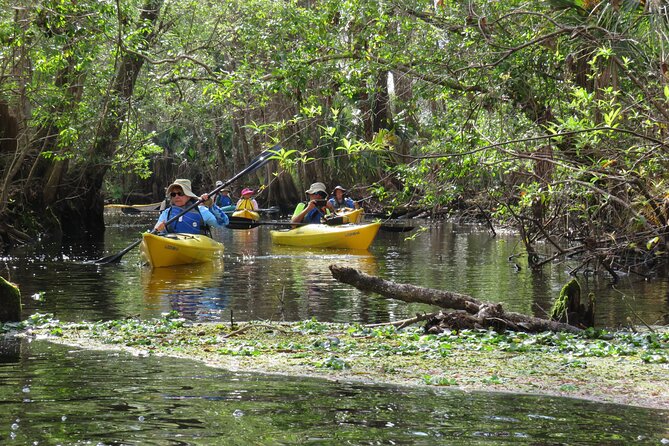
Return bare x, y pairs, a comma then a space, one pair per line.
468, 359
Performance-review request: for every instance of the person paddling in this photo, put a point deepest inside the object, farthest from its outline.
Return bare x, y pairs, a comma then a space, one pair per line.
316, 208
223, 199
340, 200
196, 221
247, 202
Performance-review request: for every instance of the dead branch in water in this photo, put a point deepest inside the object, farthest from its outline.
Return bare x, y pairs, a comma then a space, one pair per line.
469, 312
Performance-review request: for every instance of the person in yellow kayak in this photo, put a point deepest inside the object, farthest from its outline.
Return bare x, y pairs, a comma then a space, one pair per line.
223, 199
198, 220
316, 208
340, 200
247, 202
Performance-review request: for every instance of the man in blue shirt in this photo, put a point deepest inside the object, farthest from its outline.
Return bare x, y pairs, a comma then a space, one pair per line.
317, 206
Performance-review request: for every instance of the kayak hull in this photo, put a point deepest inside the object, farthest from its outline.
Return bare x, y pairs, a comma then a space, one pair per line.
179, 249
324, 236
247, 214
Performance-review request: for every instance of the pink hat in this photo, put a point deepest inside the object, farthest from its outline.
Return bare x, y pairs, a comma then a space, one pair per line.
247, 191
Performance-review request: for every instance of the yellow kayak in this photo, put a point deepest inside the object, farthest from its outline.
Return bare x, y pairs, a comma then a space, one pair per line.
324, 236
178, 249
350, 215
135, 208
245, 213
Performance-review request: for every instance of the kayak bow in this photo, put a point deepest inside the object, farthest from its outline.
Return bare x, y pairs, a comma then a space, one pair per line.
178, 249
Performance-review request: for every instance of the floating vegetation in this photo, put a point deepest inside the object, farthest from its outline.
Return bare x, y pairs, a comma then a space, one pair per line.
628, 367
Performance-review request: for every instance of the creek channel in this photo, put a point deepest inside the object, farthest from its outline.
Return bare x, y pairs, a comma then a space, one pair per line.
52, 394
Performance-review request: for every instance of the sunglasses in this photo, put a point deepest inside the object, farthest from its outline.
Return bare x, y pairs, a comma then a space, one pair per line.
176, 194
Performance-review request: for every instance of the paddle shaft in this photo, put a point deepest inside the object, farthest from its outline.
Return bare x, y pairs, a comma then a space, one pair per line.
247, 223
255, 164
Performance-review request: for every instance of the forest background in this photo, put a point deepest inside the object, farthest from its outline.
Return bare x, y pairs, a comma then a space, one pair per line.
547, 116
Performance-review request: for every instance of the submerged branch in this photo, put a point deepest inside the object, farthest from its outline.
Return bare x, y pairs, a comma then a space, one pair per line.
470, 312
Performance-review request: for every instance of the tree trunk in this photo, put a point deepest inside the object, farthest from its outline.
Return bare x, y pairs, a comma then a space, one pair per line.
17, 111
381, 105
82, 206
470, 312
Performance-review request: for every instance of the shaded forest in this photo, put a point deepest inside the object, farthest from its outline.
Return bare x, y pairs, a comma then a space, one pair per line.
548, 117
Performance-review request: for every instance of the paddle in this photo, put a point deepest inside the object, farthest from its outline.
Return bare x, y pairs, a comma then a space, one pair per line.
130, 211
396, 228
255, 164
247, 223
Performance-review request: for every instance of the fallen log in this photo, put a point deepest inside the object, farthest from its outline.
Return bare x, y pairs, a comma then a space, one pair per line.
466, 311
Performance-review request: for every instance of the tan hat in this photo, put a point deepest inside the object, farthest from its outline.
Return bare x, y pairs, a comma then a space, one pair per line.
317, 187
184, 185
220, 183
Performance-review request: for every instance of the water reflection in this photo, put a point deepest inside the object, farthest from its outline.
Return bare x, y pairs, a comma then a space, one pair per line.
57, 395
192, 290
263, 281
304, 286
112, 398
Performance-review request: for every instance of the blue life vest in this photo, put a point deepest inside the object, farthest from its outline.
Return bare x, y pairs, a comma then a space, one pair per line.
313, 216
345, 203
223, 200
190, 223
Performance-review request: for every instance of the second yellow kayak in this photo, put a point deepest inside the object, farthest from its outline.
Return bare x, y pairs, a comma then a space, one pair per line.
349, 215
324, 236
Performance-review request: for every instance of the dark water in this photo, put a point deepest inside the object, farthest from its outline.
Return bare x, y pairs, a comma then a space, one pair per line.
258, 280
56, 395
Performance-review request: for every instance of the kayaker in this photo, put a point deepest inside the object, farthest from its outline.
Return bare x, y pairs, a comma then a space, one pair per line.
316, 208
223, 199
340, 200
196, 221
247, 202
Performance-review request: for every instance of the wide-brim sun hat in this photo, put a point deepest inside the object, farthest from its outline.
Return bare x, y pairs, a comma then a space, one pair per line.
316, 188
338, 188
184, 185
247, 191
220, 183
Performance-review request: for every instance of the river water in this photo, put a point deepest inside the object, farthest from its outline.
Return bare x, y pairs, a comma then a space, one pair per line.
52, 394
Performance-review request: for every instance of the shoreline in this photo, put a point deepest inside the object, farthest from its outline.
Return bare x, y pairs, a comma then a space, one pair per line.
621, 368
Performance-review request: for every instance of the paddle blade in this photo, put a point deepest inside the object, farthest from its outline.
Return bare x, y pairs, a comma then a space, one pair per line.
335, 221
397, 228
130, 211
115, 258
241, 223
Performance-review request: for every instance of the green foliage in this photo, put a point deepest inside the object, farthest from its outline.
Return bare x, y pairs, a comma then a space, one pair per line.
439, 380
312, 326
333, 363
570, 291
413, 103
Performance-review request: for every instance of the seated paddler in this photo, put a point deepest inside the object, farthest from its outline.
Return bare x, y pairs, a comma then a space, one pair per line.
316, 208
198, 220
340, 200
